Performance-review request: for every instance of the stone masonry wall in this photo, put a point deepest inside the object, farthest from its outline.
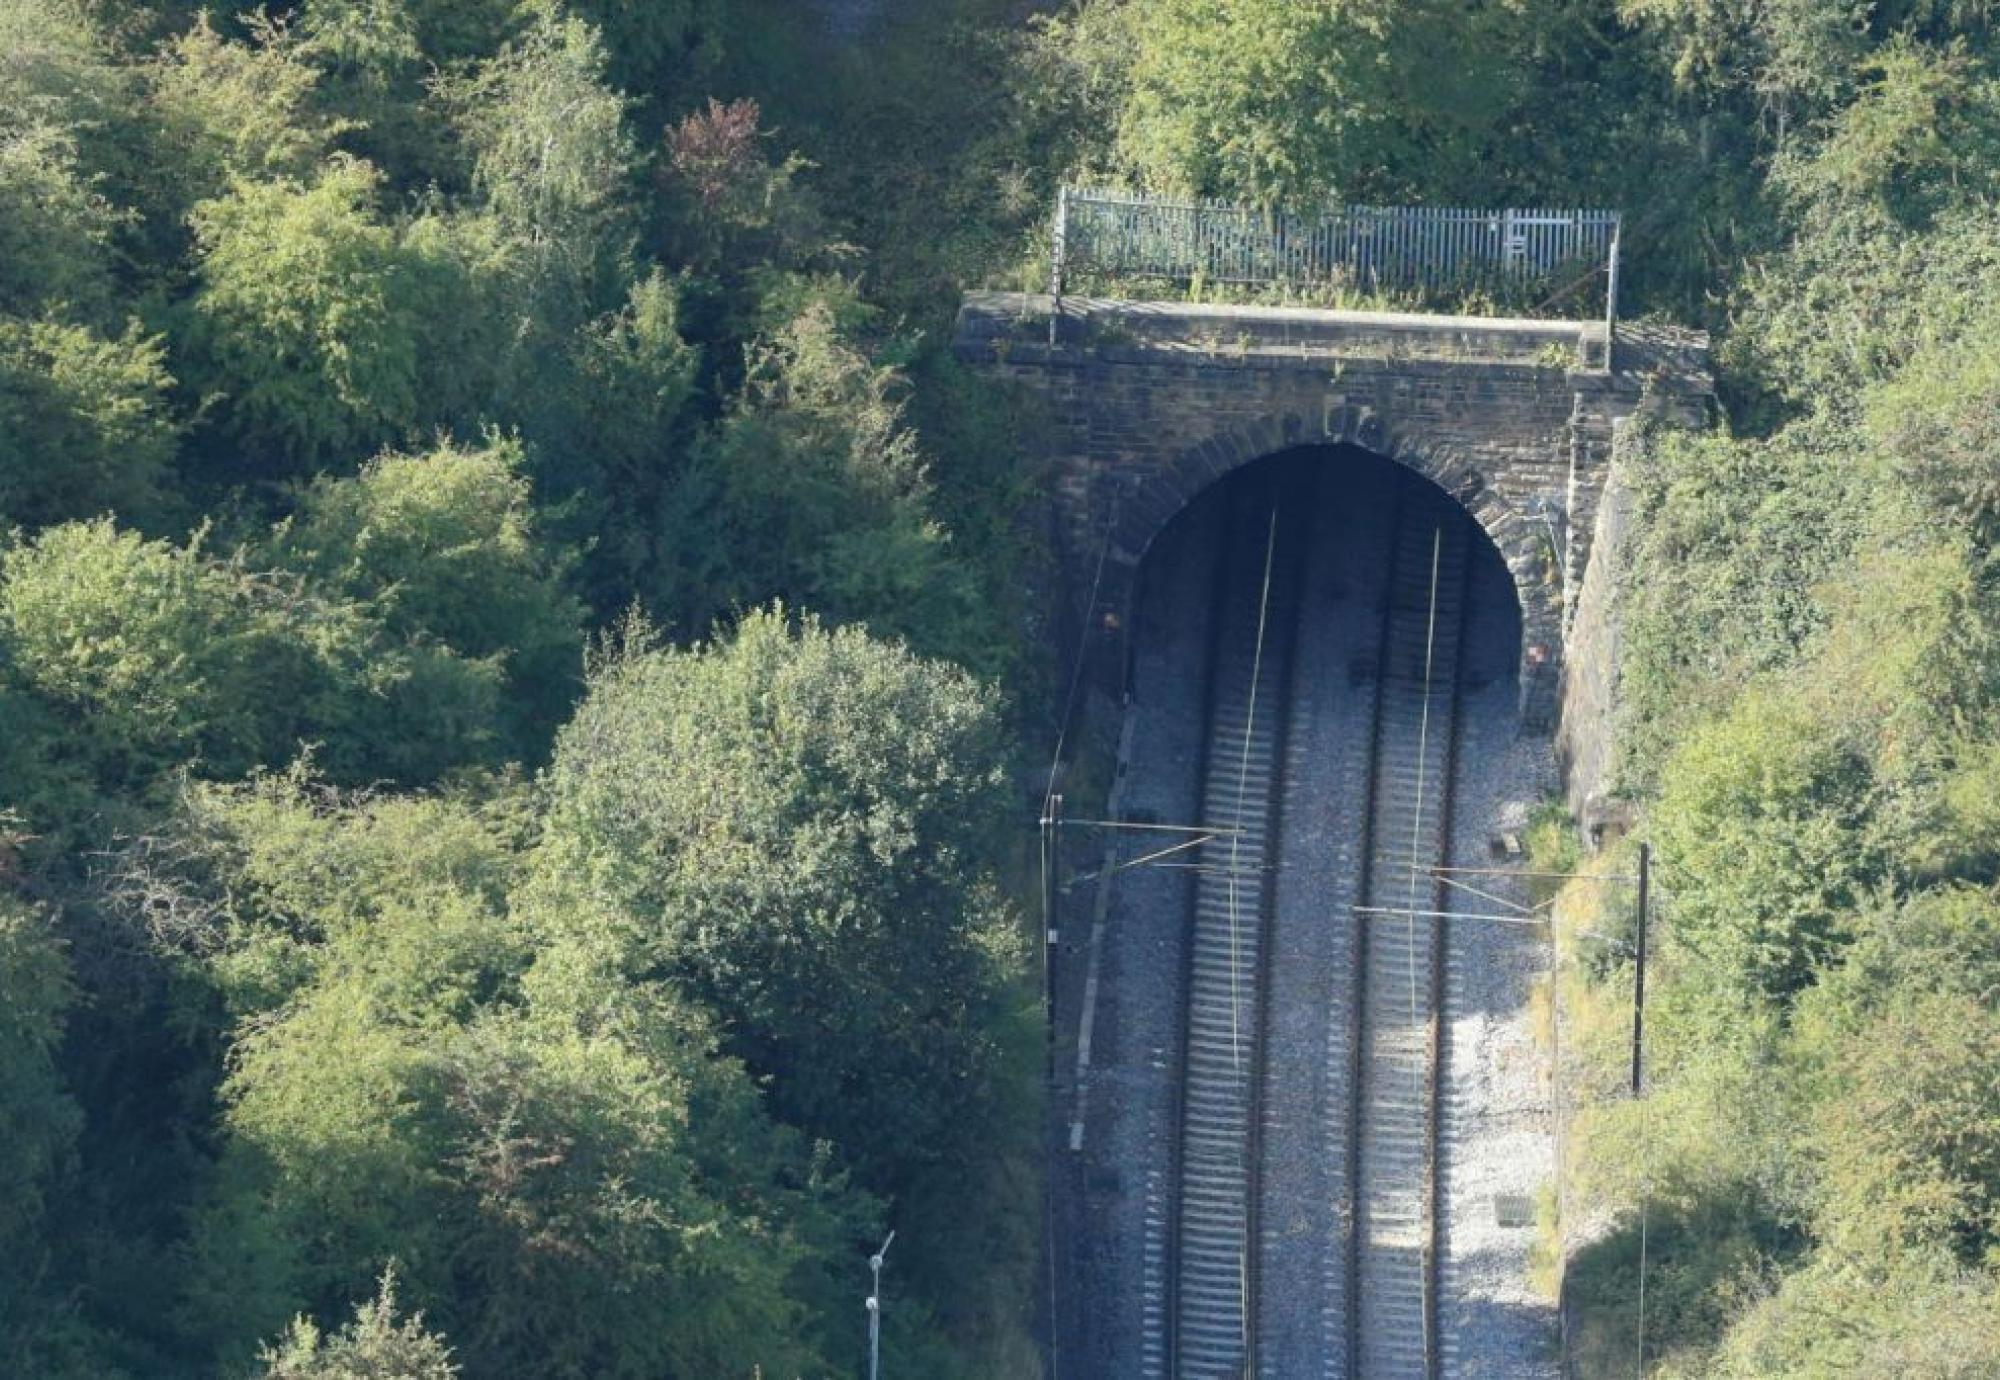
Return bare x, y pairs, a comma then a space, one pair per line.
1585, 739
1151, 403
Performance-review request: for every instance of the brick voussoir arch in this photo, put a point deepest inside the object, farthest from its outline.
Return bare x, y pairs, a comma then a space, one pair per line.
1156, 495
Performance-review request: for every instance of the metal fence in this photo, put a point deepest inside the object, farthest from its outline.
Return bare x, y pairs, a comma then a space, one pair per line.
1527, 262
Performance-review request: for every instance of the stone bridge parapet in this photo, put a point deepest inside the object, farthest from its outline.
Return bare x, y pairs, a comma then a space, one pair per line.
1150, 403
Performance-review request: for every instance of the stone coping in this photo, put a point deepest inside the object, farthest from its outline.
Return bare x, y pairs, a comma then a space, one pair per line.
1001, 323
1037, 304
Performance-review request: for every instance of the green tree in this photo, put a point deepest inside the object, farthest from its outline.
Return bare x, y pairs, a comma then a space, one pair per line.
1896, 1040
233, 109
154, 642
318, 322
556, 1160
639, 377
1912, 1142
178, 657
60, 70
815, 491
1734, 539
1908, 662
552, 162
56, 226
374, 67
800, 825
1964, 833
1912, 1316
268, 881
1944, 941
1797, 56
1939, 423
1277, 102
1760, 816
374, 1346
440, 32
1919, 132
85, 425
442, 547
89, 210
1794, 54
619, 441
1856, 296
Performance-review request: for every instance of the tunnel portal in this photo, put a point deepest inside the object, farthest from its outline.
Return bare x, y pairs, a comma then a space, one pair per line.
1322, 685
1316, 570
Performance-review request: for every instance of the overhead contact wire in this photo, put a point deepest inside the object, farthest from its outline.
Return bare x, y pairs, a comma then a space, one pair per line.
1235, 846
1416, 845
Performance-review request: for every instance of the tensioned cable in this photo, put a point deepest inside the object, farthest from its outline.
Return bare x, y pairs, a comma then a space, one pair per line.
1416, 843
1048, 795
1486, 895
1082, 649
1153, 857
1235, 845
1048, 1190
1242, 783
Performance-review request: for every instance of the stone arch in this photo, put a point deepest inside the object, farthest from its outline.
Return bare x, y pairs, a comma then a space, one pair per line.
1149, 500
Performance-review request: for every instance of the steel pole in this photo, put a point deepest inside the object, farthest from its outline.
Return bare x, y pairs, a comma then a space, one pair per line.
875, 1331
1639, 975
1051, 923
875, 1310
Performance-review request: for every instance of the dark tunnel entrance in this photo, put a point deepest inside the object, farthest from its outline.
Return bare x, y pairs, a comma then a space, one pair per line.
1323, 690
1337, 509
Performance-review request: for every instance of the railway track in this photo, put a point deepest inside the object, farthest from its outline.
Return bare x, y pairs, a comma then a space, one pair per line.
1212, 1264
1383, 1270
1391, 1274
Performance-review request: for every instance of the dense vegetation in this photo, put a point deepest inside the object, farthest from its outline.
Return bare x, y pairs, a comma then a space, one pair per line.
506, 697
511, 646
1811, 680
1814, 728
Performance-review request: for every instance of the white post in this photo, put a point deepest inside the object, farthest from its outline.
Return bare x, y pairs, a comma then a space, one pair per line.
1611, 295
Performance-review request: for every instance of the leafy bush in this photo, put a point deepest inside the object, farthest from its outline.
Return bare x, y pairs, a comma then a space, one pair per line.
374, 1344
815, 491
556, 1161
305, 321
799, 826
442, 548
1280, 103
85, 424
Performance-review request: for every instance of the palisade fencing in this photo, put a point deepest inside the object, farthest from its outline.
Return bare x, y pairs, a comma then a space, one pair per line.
1561, 263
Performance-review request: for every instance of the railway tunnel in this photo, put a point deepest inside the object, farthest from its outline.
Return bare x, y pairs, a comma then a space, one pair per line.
1311, 1082
1319, 572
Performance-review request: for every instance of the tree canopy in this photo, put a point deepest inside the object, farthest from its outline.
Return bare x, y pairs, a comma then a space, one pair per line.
515, 634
